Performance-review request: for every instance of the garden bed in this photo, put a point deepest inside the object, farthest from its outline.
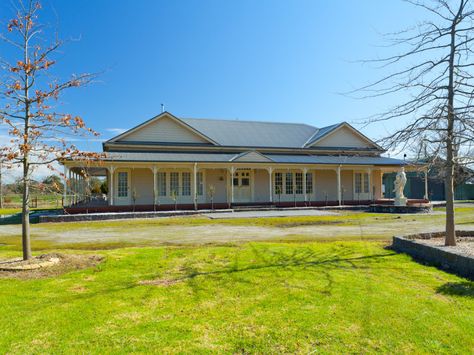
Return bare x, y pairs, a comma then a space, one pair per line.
430, 248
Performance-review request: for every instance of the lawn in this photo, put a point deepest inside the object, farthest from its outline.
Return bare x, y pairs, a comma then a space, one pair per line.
346, 225
264, 297
324, 284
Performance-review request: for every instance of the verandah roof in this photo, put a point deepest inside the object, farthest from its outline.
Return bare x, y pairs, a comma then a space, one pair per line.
229, 157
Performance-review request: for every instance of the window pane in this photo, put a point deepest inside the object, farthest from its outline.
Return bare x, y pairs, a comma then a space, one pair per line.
123, 184
174, 183
200, 184
236, 181
289, 183
245, 181
366, 183
309, 183
358, 183
161, 184
278, 184
186, 178
299, 183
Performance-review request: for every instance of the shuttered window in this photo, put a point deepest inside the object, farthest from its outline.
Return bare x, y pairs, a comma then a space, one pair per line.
161, 184
289, 183
186, 182
299, 183
200, 184
122, 184
174, 183
309, 183
278, 189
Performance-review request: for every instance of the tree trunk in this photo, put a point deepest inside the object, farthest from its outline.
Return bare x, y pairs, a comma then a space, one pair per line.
1, 186
450, 225
25, 216
448, 180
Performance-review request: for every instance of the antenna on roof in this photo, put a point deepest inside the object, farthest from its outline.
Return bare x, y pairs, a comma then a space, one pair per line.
162, 108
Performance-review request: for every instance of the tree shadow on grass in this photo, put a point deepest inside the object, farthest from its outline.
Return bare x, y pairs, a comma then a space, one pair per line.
465, 289
275, 261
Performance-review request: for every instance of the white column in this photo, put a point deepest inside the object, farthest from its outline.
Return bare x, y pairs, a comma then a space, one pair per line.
270, 183
155, 182
66, 170
426, 184
194, 192
111, 191
73, 187
304, 183
369, 174
338, 171
69, 180
231, 170
382, 195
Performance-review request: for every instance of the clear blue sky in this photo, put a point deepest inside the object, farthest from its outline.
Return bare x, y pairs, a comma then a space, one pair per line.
246, 59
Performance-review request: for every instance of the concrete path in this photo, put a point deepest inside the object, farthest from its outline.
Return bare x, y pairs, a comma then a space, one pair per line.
268, 213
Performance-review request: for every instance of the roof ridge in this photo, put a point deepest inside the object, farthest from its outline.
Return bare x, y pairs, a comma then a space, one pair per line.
249, 121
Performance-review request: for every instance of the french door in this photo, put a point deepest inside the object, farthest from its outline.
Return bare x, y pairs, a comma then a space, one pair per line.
361, 186
242, 182
123, 193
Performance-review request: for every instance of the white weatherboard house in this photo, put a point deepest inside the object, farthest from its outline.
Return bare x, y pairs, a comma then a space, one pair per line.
169, 161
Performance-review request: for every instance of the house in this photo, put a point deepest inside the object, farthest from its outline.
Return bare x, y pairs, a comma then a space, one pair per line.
169, 162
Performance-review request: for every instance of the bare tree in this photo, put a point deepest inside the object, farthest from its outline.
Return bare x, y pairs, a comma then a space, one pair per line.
433, 67
1, 184
39, 134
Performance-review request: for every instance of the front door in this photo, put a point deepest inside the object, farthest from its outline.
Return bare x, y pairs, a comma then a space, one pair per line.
123, 187
242, 186
361, 186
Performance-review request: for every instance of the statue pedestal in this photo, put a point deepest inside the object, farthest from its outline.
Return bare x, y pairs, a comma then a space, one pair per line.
400, 201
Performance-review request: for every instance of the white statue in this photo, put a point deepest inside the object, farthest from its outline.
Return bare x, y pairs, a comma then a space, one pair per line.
400, 182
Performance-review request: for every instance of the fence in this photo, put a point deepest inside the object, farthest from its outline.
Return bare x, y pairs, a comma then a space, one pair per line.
36, 201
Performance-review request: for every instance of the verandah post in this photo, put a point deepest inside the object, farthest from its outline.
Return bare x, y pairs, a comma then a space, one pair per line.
270, 185
195, 186
338, 171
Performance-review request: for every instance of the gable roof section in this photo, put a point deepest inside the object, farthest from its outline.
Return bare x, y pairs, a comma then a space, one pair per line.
326, 132
252, 156
182, 129
321, 133
253, 133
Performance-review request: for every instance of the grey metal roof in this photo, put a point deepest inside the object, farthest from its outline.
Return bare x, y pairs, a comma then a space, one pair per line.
228, 157
169, 157
253, 133
328, 159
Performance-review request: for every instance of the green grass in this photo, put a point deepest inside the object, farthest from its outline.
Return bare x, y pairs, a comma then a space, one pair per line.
287, 295
201, 230
339, 297
15, 210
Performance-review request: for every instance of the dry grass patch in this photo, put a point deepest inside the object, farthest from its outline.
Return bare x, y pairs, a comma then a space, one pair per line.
46, 265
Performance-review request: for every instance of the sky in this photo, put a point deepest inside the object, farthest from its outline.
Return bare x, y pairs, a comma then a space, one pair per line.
266, 60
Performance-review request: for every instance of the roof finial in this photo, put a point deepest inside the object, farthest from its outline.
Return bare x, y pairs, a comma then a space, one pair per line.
162, 108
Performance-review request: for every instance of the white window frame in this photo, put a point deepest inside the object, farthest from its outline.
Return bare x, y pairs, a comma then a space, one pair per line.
364, 184
309, 182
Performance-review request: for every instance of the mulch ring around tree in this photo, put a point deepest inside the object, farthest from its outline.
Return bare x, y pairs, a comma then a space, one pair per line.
46, 265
